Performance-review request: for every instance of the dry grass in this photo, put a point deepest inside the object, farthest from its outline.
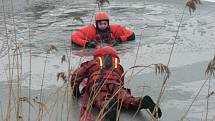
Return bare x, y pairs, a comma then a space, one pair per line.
30, 73
191, 4
65, 89
63, 76
159, 69
51, 49
100, 3
211, 93
211, 67
63, 59
37, 102
78, 18
8, 109
209, 72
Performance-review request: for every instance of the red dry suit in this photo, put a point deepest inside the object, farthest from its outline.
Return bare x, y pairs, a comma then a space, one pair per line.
102, 84
90, 33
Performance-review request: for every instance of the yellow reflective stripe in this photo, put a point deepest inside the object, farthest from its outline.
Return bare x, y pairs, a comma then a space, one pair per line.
116, 62
100, 62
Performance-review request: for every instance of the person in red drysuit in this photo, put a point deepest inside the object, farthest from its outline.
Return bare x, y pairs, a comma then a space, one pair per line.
104, 87
103, 32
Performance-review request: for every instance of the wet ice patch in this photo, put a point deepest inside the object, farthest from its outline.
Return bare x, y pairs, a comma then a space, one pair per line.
187, 93
3, 47
193, 87
210, 0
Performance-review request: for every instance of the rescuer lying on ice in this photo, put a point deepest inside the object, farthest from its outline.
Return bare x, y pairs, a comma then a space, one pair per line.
104, 87
102, 32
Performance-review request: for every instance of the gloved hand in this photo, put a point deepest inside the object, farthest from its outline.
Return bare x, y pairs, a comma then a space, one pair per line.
90, 44
148, 103
116, 42
106, 41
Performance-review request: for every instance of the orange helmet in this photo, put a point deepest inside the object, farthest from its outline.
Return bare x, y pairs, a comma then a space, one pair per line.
101, 16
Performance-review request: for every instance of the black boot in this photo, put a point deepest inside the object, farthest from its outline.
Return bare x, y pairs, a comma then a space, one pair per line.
112, 111
148, 103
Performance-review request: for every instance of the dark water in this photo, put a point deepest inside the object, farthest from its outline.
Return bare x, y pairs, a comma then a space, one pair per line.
155, 25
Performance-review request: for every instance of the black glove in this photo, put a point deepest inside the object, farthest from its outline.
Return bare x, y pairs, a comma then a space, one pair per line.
90, 44
148, 103
116, 42
106, 41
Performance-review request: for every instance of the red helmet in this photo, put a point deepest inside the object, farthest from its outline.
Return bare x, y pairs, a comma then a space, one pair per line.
101, 16
105, 50
107, 57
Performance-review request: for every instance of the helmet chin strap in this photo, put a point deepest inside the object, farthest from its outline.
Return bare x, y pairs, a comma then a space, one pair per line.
99, 31
104, 34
